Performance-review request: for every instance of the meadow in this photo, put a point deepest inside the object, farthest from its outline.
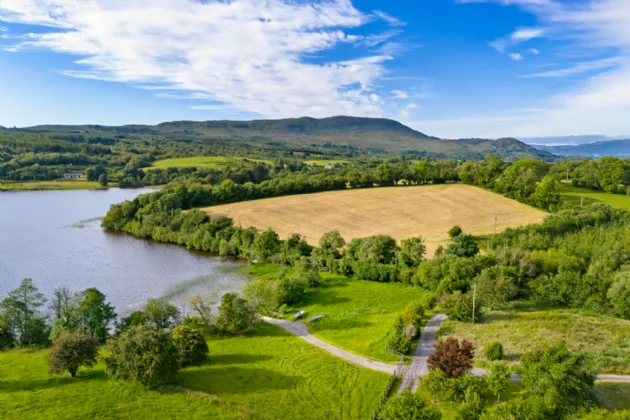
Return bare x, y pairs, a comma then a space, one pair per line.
572, 196
267, 375
400, 212
606, 340
358, 315
71, 184
324, 162
216, 162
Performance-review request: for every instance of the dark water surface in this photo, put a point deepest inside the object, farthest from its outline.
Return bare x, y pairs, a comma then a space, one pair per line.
55, 238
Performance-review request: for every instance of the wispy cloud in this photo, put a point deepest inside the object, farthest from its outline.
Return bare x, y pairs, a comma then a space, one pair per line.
399, 94
251, 55
533, 51
392, 20
579, 68
515, 56
517, 37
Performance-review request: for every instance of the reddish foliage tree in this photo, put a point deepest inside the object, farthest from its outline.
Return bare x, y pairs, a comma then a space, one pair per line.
452, 358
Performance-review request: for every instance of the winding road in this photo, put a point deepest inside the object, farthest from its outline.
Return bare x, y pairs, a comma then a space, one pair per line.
411, 372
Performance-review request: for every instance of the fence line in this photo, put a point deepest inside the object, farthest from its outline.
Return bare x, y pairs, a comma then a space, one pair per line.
390, 384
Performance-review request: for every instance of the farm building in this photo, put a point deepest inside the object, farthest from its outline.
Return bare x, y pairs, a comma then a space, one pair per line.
74, 175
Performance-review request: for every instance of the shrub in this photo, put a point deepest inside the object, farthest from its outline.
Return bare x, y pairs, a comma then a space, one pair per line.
435, 384
70, 351
292, 289
191, 344
493, 351
409, 406
463, 246
143, 354
459, 306
472, 406
452, 358
399, 342
236, 315
498, 379
454, 232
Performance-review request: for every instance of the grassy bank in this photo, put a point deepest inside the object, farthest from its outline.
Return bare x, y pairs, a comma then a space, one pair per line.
270, 374
73, 184
358, 315
216, 162
605, 339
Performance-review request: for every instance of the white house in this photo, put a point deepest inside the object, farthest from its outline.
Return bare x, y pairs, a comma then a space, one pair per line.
74, 175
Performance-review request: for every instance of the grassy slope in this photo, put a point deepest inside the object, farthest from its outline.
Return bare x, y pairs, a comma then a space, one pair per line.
572, 196
606, 339
268, 375
200, 162
324, 162
400, 212
75, 184
359, 314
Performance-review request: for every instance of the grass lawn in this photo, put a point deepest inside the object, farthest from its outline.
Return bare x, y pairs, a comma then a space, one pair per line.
72, 184
605, 339
324, 162
359, 315
200, 162
400, 212
269, 375
571, 196
613, 396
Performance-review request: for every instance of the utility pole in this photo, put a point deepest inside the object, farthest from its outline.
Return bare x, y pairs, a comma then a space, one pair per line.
474, 298
567, 173
494, 231
582, 201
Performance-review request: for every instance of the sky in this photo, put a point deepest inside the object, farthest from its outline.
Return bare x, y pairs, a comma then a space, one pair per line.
448, 68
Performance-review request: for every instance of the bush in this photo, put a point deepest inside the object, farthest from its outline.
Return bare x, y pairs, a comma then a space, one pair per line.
463, 246
409, 406
191, 344
454, 232
493, 351
236, 315
143, 354
292, 289
70, 351
459, 307
435, 384
399, 342
452, 358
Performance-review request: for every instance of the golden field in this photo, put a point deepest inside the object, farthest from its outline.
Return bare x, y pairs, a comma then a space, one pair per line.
400, 212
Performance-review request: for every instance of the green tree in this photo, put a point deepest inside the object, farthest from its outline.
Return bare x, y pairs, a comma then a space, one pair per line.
71, 351
499, 379
96, 313
266, 244
546, 194
409, 406
264, 294
236, 315
463, 246
93, 173
143, 354
191, 344
412, 251
455, 231
384, 175
134, 319
619, 295
203, 308
20, 307
459, 306
102, 179
161, 313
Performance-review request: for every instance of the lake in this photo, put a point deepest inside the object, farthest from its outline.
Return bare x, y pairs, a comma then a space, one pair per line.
55, 238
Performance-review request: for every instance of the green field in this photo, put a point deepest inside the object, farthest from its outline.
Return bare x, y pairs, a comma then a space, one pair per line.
572, 196
605, 339
358, 315
73, 184
271, 374
216, 162
613, 396
324, 162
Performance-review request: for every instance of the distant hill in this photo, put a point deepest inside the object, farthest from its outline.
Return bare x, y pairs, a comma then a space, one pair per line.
375, 134
619, 148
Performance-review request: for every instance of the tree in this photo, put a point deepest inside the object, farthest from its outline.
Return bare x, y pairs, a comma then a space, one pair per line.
93, 173
459, 306
71, 351
454, 232
236, 315
7, 337
96, 313
493, 351
546, 194
332, 241
203, 307
561, 380
409, 406
412, 251
134, 319
266, 244
619, 295
499, 379
452, 358
102, 180
161, 314
20, 306
143, 354
463, 246
191, 344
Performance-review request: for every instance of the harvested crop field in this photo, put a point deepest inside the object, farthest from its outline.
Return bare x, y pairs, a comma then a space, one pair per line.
400, 212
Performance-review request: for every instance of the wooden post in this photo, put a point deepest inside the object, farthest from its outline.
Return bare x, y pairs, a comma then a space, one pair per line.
474, 298
494, 231
582, 201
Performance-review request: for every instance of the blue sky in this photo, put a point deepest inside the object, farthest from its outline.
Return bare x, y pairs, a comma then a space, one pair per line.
451, 68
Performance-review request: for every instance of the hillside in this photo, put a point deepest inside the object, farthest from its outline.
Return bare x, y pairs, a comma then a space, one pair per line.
620, 148
373, 134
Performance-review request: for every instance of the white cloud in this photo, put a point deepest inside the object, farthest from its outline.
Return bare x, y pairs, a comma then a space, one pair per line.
251, 55
579, 68
394, 21
515, 56
533, 51
517, 37
399, 94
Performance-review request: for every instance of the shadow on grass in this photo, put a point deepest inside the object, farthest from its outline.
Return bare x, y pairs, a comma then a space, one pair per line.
235, 380
324, 298
341, 324
52, 382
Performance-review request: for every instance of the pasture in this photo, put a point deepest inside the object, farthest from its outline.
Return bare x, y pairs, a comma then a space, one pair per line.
605, 339
571, 196
270, 374
69, 184
359, 315
400, 212
216, 162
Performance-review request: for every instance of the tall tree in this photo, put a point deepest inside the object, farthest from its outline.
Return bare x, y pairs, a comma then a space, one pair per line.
161, 313
96, 313
20, 308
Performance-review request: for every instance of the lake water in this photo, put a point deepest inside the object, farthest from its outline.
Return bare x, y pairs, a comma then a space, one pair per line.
55, 238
